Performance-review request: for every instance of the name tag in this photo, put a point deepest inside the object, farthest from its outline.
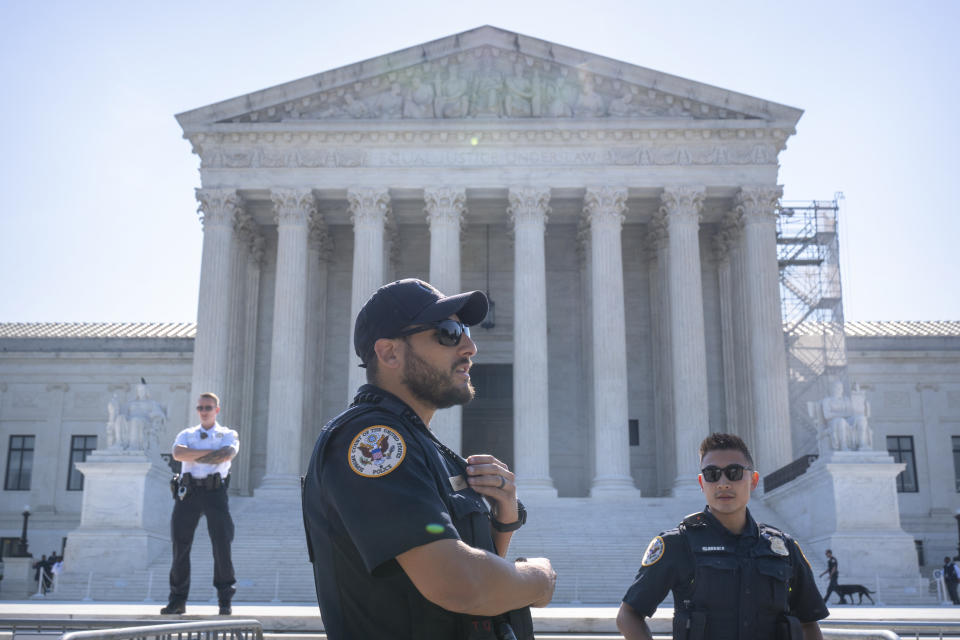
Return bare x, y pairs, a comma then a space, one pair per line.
713, 548
458, 483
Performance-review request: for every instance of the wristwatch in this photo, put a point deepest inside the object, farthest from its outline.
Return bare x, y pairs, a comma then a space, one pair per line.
513, 526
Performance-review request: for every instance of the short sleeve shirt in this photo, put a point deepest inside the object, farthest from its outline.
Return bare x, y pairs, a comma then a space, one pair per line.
669, 565
832, 566
196, 437
378, 486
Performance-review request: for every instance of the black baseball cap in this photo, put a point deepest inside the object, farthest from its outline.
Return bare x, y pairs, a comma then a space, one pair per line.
398, 305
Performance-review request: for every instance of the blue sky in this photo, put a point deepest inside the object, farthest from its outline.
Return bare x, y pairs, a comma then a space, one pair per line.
98, 221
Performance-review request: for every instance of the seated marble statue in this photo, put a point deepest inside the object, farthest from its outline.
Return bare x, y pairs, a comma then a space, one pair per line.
845, 419
135, 427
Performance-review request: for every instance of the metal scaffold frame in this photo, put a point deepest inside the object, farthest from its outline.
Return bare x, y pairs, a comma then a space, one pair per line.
808, 254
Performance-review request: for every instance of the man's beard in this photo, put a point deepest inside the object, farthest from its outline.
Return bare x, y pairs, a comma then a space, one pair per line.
430, 385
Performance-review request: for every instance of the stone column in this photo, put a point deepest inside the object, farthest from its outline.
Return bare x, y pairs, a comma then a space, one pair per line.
250, 234
292, 210
604, 208
369, 207
528, 210
768, 359
314, 374
681, 206
445, 208
656, 246
219, 208
723, 244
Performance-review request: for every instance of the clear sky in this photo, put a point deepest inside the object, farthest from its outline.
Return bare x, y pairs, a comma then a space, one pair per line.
99, 219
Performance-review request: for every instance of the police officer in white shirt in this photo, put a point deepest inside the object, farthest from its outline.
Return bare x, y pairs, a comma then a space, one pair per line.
205, 452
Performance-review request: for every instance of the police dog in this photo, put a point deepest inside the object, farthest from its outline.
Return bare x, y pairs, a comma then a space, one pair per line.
844, 590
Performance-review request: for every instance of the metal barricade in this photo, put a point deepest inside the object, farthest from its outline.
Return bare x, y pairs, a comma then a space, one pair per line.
245, 629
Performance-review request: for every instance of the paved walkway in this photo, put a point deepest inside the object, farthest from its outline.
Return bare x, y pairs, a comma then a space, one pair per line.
306, 617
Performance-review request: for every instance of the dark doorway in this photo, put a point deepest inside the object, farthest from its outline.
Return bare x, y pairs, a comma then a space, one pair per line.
488, 419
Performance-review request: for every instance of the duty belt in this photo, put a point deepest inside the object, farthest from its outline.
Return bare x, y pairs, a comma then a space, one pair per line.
210, 483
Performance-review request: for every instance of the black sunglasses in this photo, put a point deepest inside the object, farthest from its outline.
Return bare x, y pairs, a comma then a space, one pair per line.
205, 407
449, 332
734, 472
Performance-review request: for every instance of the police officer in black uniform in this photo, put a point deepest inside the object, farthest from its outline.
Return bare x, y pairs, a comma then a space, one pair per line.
408, 539
731, 578
205, 451
834, 586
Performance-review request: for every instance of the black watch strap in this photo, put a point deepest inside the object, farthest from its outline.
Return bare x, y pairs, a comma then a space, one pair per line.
512, 526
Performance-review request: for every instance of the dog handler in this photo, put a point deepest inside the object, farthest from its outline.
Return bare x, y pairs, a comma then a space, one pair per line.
730, 577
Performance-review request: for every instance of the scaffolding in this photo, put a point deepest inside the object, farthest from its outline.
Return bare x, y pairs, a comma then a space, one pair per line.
808, 253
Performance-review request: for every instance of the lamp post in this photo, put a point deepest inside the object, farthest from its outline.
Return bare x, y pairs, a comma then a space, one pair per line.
23, 534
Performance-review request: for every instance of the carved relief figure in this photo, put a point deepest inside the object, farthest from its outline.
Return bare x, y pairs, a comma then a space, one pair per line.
487, 87
452, 100
561, 97
389, 104
590, 103
521, 94
419, 100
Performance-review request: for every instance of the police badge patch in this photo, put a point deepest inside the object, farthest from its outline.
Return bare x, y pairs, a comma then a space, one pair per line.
778, 546
654, 552
376, 451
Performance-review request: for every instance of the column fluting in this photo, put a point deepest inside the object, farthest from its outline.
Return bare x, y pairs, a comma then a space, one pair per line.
528, 210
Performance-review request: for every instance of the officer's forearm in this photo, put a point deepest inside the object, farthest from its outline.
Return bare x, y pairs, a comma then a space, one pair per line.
501, 539
811, 631
186, 454
631, 624
463, 579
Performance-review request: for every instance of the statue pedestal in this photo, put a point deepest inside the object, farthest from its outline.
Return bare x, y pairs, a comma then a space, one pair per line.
125, 521
848, 503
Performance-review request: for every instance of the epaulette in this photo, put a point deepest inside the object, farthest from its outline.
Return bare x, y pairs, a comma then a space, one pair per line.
766, 528
696, 520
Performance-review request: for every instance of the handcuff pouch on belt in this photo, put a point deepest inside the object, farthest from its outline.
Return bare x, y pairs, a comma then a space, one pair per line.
182, 484
513, 625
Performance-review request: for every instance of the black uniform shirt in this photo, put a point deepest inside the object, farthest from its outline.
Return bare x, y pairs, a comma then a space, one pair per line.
669, 564
832, 569
380, 486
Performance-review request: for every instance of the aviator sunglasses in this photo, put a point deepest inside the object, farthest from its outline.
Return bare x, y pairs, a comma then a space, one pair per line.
734, 472
449, 332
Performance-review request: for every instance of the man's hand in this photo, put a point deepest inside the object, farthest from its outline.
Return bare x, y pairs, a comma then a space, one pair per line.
542, 566
491, 478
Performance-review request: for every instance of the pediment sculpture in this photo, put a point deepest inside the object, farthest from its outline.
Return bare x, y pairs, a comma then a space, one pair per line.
488, 82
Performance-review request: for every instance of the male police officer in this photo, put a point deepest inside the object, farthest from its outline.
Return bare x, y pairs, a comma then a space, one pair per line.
833, 587
731, 578
403, 541
205, 451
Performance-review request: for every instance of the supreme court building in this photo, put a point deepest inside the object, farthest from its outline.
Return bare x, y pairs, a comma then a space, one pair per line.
622, 222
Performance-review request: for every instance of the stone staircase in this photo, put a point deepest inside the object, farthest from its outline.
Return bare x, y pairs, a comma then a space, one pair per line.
594, 544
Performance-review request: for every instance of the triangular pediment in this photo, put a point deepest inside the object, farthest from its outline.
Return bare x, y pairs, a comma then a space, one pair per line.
486, 74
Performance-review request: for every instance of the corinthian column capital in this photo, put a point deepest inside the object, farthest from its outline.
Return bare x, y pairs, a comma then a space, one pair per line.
445, 205
758, 202
529, 205
293, 206
368, 205
218, 207
682, 202
605, 205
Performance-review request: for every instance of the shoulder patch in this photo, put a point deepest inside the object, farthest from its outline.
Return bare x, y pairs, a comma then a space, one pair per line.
376, 451
654, 552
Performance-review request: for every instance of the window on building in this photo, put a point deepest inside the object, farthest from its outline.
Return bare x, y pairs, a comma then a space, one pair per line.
634, 427
956, 462
19, 463
921, 560
80, 446
901, 448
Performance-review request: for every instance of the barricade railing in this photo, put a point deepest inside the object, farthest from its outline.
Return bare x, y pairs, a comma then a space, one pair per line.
243, 629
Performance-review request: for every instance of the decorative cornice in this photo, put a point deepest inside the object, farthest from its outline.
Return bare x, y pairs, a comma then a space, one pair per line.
293, 206
605, 205
445, 205
496, 147
529, 206
368, 205
218, 207
758, 203
682, 203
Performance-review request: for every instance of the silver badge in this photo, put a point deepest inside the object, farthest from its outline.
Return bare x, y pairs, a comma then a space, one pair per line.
458, 483
778, 546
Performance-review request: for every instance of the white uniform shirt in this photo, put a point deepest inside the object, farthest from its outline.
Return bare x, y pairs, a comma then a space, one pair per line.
217, 436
